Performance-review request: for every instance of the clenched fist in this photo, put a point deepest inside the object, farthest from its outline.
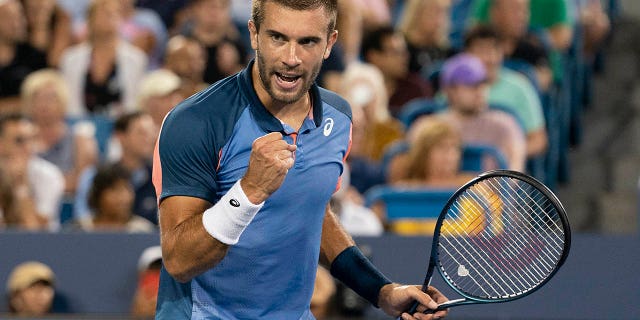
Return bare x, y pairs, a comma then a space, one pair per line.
270, 160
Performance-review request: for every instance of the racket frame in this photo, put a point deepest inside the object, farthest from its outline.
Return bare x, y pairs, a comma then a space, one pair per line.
433, 259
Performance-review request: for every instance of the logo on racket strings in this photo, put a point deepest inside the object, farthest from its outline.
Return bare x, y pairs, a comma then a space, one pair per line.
463, 271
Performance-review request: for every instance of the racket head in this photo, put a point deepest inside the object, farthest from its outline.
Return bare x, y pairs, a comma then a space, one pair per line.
500, 237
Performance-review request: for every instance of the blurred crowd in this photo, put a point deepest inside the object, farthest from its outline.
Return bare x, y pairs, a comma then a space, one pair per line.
85, 85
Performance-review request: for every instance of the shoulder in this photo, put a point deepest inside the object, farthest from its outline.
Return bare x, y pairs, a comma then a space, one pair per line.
335, 101
205, 119
45, 169
80, 49
218, 103
129, 51
514, 78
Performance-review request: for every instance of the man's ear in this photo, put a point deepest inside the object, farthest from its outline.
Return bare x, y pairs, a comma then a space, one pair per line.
253, 33
333, 38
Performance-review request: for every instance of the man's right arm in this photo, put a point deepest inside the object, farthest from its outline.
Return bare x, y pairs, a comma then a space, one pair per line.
187, 249
195, 235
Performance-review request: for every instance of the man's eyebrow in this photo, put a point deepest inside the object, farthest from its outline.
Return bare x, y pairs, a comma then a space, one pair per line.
276, 33
271, 32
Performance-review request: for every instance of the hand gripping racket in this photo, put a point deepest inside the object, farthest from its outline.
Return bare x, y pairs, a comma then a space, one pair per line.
500, 237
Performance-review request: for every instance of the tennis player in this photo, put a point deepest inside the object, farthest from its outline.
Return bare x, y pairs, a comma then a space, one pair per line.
244, 171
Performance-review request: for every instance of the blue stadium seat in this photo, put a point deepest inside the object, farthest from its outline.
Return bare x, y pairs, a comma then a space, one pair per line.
103, 126
475, 158
402, 203
416, 108
392, 151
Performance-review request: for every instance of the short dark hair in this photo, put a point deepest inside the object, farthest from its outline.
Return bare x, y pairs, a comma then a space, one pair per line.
531, 50
10, 118
481, 32
372, 40
123, 122
107, 175
330, 6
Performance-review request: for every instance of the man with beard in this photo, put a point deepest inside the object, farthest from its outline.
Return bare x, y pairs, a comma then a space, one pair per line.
244, 171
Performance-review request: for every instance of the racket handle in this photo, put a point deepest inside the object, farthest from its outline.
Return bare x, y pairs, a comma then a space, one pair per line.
414, 308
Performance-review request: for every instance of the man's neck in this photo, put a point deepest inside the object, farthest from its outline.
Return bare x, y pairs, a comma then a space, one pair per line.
292, 114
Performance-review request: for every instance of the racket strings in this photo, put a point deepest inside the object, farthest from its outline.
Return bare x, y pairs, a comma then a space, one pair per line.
500, 238
556, 238
517, 246
559, 239
484, 266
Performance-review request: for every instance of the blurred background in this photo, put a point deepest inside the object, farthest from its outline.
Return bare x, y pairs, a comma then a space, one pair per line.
85, 85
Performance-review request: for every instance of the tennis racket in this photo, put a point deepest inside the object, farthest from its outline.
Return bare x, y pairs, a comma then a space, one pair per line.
500, 237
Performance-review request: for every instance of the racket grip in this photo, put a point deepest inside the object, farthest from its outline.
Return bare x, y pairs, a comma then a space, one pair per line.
414, 308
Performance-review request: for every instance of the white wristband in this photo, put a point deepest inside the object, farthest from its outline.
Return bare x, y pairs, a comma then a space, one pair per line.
228, 218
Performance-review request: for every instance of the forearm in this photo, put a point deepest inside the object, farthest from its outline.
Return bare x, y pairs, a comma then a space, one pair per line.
188, 250
347, 263
196, 237
334, 238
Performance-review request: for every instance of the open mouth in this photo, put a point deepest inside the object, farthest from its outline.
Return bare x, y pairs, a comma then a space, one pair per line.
287, 81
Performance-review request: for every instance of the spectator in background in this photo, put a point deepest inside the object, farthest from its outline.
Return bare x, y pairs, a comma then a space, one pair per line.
348, 205
171, 12
349, 22
386, 49
145, 297
549, 20
510, 19
30, 289
213, 27
159, 93
111, 199
555, 19
595, 24
18, 58
38, 185
434, 157
425, 26
49, 28
464, 82
373, 127
375, 13
17, 210
103, 72
144, 29
532, 51
432, 162
364, 87
509, 89
187, 59
72, 149
136, 134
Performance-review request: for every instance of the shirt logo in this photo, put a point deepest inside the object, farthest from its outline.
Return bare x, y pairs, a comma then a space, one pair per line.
328, 126
234, 203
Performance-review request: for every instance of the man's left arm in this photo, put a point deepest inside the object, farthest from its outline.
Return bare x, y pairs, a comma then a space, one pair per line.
349, 265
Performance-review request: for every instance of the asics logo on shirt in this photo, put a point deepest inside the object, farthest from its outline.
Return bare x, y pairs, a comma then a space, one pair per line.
328, 126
